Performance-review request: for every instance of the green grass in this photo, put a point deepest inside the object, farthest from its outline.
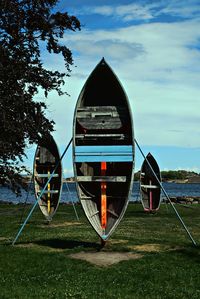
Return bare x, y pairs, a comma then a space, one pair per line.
39, 265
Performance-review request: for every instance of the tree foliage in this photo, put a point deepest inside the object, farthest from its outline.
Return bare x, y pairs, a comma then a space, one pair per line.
177, 174
24, 26
172, 175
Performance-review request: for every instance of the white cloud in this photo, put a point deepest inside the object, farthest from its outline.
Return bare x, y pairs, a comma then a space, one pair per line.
133, 12
114, 48
124, 12
144, 10
158, 65
102, 10
184, 8
154, 51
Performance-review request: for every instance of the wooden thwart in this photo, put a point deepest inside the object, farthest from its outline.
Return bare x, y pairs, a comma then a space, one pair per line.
118, 153
119, 136
45, 175
112, 179
49, 191
150, 186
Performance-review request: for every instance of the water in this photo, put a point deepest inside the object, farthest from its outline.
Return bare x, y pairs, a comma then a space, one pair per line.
70, 195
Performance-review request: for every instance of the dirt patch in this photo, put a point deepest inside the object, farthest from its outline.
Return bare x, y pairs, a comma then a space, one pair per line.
105, 259
152, 248
3, 239
25, 245
118, 241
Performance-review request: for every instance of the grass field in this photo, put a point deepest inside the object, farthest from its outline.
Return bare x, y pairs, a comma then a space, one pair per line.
165, 264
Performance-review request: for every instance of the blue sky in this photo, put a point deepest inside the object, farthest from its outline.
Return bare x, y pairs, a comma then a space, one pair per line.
154, 49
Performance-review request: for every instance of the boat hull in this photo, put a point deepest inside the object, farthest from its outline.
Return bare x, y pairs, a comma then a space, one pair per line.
150, 191
103, 150
46, 159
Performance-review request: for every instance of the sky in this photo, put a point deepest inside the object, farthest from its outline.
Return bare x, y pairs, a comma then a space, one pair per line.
154, 49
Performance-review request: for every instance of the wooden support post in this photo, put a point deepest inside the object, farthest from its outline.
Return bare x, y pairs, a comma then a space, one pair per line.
150, 197
103, 198
49, 195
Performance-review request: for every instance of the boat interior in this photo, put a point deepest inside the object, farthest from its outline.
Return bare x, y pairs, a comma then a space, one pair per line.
45, 162
103, 149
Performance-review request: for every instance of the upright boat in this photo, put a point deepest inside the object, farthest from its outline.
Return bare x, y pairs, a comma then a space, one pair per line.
46, 159
103, 150
150, 190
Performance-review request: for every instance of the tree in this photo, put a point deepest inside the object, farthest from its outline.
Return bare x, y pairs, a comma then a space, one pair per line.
24, 26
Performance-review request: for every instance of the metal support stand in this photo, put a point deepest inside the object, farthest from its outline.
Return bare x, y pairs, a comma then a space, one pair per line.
165, 193
72, 202
36, 202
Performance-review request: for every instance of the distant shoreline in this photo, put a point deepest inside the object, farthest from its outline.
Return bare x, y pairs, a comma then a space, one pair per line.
186, 181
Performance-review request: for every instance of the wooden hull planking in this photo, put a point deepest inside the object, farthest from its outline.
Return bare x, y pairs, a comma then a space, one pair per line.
150, 191
103, 150
46, 158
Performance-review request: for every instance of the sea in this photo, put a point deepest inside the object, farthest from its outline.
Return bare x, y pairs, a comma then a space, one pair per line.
69, 194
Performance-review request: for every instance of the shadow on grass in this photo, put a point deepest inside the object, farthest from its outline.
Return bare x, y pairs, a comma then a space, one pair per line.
141, 214
191, 252
67, 244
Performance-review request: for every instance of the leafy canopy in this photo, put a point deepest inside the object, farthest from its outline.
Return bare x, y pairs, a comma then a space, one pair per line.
24, 26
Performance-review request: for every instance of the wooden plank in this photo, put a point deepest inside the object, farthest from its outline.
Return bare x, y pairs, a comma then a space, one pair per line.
49, 195
99, 158
100, 153
150, 186
90, 136
50, 191
119, 179
102, 117
101, 123
110, 149
103, 197
113, 213
118, 109
94, 214
46, 156
45, 175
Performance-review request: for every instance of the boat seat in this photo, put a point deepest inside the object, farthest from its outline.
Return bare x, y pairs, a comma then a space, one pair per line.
113, 179
100, 153
49, 191
150, 186
101, 117
108, 197
95, 136
45, 205
46, 175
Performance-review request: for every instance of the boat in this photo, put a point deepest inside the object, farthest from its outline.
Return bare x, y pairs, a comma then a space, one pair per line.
150, 190
47, 164
103, 150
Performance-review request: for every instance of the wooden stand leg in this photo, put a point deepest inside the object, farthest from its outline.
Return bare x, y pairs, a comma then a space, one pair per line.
103, 198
